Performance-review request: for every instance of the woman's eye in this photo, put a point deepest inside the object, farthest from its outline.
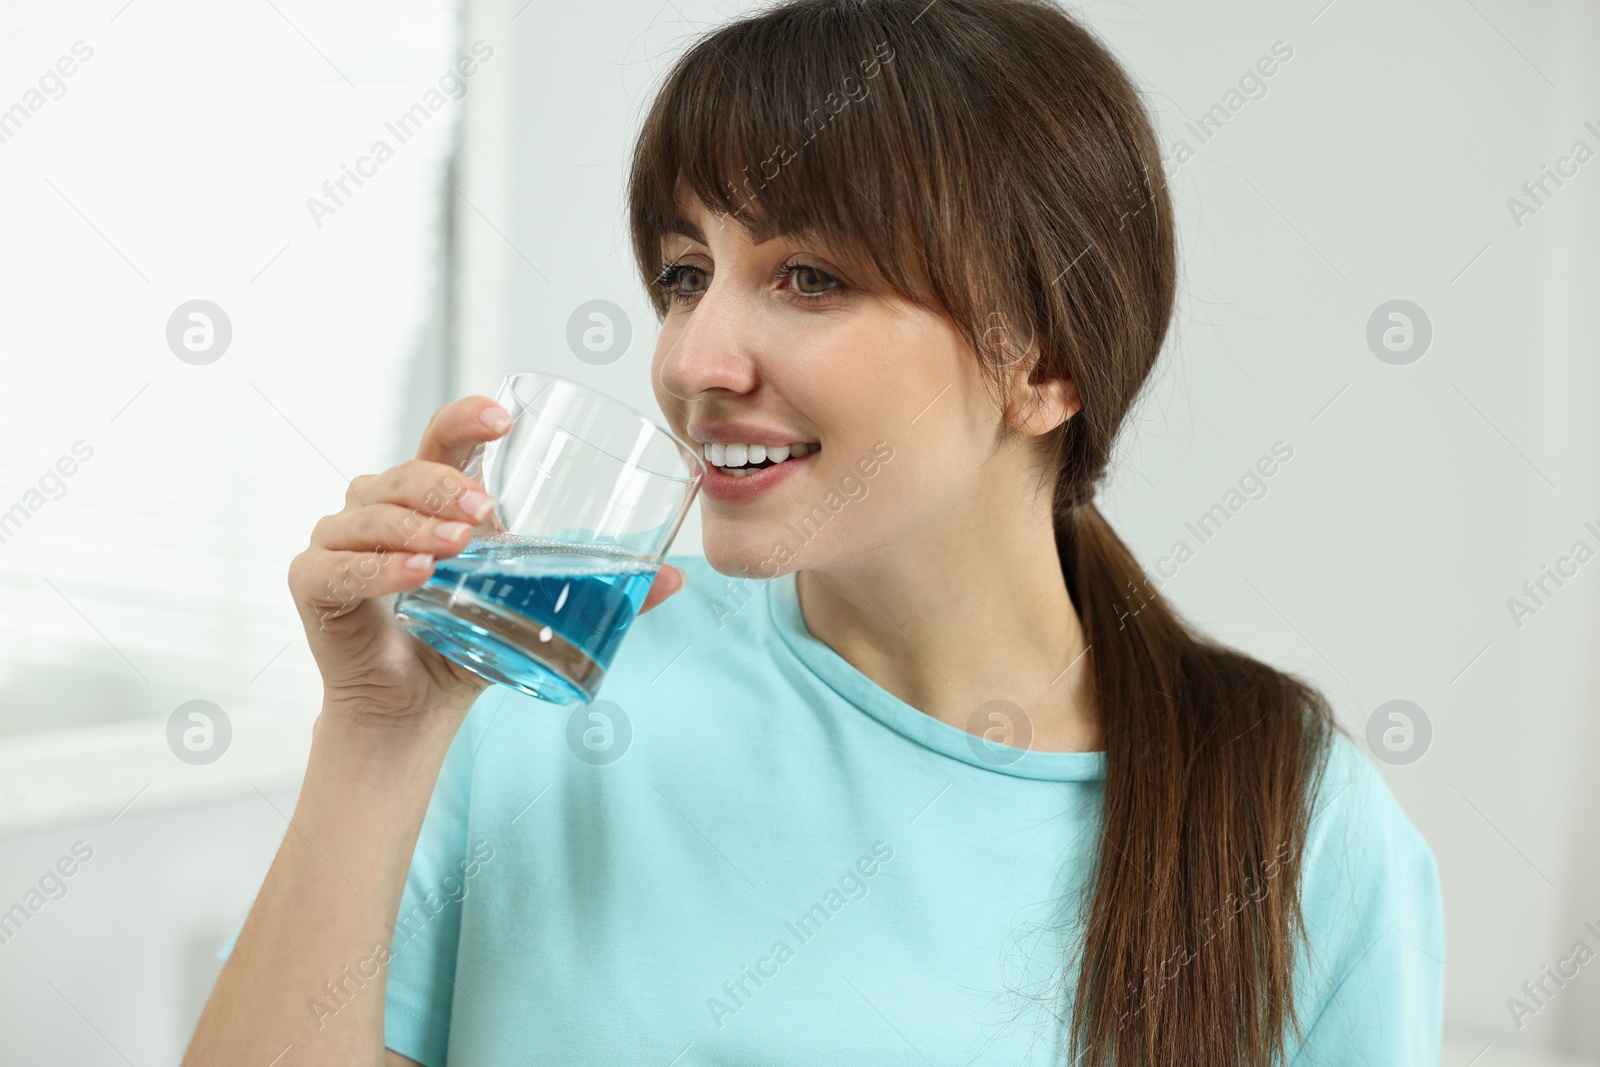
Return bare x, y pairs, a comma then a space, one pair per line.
683, 281
809, 281
689, 280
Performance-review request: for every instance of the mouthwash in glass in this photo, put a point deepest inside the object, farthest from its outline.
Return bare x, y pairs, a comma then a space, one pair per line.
530, 613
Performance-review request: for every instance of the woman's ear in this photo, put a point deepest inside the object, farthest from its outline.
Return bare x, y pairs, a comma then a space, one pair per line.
1039, 407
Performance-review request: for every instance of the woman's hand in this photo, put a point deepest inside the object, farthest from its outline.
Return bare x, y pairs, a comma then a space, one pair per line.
394, 527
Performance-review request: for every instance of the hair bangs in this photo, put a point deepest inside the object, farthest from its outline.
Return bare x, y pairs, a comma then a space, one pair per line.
790, 127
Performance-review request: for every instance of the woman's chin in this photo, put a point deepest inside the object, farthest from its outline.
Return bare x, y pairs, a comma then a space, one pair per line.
737, 552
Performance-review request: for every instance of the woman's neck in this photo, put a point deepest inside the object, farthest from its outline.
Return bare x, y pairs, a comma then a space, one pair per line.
970, 613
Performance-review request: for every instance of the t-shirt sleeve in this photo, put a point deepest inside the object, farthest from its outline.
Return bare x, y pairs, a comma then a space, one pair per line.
422, 956
1372, 973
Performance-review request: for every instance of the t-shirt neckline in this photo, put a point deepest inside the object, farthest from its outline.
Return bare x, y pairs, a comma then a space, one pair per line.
839, 674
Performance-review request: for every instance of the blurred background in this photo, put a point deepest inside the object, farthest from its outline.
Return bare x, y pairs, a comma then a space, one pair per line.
247, 246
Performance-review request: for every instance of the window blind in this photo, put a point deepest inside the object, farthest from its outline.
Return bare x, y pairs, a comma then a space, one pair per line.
283, 163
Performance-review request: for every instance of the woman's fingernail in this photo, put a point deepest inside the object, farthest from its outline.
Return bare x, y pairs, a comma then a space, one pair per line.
476, 503
452, 531
495, 417
421, 561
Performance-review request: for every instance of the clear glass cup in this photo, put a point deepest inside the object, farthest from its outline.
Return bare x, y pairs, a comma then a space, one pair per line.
588, 497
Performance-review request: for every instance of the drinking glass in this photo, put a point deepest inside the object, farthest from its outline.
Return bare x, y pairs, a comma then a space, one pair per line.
588, 497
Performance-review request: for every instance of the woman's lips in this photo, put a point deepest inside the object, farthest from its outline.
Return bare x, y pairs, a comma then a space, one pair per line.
737, 488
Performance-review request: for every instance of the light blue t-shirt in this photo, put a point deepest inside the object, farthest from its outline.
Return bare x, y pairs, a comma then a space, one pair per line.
765, 857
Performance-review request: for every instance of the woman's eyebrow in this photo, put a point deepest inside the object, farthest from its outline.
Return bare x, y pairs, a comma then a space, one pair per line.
682, 227
761, 231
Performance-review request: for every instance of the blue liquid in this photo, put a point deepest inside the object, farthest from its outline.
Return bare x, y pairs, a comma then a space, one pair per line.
542, 616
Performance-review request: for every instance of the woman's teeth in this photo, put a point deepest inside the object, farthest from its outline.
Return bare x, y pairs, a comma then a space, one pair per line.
741, 460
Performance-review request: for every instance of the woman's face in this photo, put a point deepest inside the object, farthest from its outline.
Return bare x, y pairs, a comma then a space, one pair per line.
783, 343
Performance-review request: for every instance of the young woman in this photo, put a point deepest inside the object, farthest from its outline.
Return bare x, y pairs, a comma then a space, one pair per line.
916, 767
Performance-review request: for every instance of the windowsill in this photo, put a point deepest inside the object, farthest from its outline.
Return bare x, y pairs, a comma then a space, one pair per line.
106, 772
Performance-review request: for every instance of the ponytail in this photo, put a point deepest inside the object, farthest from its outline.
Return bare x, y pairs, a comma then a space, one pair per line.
1192, 917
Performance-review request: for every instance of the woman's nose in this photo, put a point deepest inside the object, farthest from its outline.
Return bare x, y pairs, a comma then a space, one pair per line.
715, 346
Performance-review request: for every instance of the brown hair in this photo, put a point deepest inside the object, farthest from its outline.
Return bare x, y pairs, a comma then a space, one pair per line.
989, 158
